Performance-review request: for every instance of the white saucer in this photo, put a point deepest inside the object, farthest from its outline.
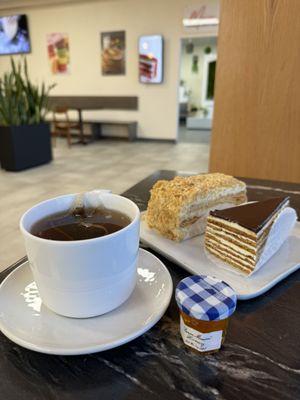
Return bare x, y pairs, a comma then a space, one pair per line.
27, 322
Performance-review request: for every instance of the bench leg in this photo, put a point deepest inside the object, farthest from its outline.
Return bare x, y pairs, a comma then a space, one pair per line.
132, 132
96, 130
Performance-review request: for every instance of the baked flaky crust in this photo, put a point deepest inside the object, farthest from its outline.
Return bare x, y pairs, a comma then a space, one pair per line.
171, 202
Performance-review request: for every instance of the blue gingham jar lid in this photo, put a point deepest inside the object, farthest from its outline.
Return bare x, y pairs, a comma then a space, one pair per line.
205, 298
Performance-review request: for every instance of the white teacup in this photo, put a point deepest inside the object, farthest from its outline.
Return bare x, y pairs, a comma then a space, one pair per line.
83, 278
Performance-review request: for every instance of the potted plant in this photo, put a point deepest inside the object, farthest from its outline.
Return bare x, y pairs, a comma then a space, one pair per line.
25, 139
204, 111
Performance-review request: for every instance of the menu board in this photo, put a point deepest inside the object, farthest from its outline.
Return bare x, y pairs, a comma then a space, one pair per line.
151, 59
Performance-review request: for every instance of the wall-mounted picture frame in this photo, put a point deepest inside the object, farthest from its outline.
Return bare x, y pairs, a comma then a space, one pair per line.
14, 35
151, 59
113, 53
58, 49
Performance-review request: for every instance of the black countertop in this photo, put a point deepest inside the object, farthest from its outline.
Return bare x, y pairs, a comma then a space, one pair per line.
260, 359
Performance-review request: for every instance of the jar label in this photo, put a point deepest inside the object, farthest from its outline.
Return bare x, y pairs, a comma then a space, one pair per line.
198, 340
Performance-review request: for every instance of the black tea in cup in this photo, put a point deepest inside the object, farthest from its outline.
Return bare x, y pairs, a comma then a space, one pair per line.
80, 224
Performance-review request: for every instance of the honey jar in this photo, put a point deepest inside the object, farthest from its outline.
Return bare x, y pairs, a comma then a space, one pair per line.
205, 305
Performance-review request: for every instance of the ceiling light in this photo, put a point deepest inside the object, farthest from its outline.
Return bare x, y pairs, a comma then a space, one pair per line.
200, 21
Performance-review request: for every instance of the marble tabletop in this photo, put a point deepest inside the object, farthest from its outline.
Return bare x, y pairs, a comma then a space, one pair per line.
260, 359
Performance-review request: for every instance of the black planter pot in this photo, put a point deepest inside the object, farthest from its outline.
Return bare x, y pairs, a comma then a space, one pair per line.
25, 146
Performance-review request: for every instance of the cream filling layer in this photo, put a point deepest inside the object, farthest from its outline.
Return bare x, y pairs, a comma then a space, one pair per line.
253, 248
225, 244
238, 252
228, 237
224, 231
198, 225
189, 217
244, 262
197, 228
236, 263
232, 196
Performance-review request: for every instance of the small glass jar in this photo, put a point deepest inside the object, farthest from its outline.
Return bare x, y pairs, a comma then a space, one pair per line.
205, 305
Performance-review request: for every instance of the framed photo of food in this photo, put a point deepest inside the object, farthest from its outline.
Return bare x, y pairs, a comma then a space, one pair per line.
58, 53
151, 59
113, 48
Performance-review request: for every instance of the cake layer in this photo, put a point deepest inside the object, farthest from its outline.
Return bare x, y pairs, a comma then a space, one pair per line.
195, 229
248, 257
235, 263
242, 253
222, 255
243, 260
255, 215
250, 252
196, 209
238, 253
195, 226
192, 217
234, 228
236, 239
199, 203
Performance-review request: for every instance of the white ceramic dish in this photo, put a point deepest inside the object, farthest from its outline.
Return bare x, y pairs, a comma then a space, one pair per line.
190, 255
27, 322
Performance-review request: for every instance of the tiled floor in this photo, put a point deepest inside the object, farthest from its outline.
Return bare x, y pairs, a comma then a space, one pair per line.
202, 136
106, 164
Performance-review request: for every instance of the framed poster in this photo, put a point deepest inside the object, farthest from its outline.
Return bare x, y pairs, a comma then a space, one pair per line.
14, 35
58, 53
151, 59
113, 53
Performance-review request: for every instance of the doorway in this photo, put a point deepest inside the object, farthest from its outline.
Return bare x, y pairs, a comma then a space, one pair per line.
196, 89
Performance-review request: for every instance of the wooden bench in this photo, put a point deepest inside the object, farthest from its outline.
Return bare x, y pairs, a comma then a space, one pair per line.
85, 103
96, 126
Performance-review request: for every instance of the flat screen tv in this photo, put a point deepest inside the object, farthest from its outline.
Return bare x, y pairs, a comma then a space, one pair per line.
151, 59
14, 35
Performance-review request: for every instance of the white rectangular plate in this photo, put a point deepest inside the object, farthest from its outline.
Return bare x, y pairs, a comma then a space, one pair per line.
190, 255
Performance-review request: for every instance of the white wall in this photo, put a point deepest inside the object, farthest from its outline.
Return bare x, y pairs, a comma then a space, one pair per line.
193, 80
157, 114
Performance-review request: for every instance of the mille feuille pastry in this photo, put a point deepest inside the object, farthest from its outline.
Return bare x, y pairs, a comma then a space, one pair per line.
178, 208
238, 235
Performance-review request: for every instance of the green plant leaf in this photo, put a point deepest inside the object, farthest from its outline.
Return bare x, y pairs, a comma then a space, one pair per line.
21, 101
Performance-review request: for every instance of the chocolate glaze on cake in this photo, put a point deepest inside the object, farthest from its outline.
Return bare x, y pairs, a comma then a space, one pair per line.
252, 216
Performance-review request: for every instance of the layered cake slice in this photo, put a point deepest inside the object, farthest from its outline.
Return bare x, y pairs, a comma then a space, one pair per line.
178, 209
238, 235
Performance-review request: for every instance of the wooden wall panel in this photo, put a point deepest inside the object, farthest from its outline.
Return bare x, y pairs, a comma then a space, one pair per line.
256, 127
